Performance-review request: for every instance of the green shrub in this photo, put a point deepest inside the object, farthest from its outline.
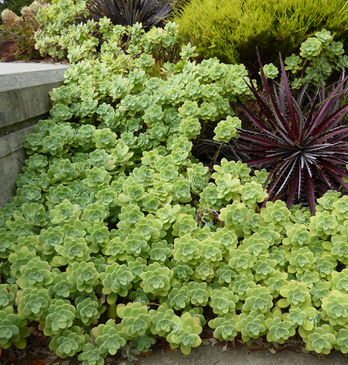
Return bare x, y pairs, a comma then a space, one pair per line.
231, 30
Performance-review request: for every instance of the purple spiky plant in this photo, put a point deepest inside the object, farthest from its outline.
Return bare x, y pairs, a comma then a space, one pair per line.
128, 12
304, 149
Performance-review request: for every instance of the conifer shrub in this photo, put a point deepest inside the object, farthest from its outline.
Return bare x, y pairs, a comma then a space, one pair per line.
230, 30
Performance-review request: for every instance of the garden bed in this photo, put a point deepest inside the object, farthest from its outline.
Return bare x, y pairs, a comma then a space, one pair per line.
149, 213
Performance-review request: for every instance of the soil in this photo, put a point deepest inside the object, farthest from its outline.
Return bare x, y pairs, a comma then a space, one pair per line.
7, 50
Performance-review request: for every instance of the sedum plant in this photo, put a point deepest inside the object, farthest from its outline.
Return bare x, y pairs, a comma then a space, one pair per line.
251, 325
321, 339
60, 317
109, 337
68, 343
33, 303
223, 301
224, 327
12, 329
185, 333
279, 330
122, 233
135, 318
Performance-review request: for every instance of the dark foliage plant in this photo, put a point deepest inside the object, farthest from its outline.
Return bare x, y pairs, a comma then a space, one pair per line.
129, 12
305, 149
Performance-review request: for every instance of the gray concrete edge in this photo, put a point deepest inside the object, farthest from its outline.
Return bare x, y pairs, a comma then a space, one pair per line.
24, 100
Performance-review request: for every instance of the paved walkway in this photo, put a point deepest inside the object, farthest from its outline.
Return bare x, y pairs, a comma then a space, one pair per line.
213, 355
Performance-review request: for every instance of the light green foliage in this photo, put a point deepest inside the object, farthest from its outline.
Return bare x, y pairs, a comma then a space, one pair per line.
250, 325
234, 215
186, 249
279, 330
339, 281
264, 267
91, 355
338, 248
60, 286
300, 260
178, 298
64, 212
323, 225
199, 293
309, 277
157, 279
206, 25
6, 242
73, 250
320, 291
297, 236
109, 337
12, 329
117, 279
34, 274
185, 333
224, 327
271, 72
241, 284
135, 318
33, 303
320, 339
253, 193
325, 266
310, 48
295, 294
115, 213
60, 316
7, 295
341, 340
258, 300
335, 308
162, 320
276, 282
198, 177
227, 129
89, 309
68, 343
241, 260
142, 343
341, 208
223, 301
20, 258
304, 318
83, 276
94, 213
327, 200
276, 213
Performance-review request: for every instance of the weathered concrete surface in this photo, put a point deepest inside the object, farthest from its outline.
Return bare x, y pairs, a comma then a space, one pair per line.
24, 100
20, 67
213, 355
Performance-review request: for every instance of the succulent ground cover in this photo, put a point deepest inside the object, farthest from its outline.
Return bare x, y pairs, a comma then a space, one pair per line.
119, 235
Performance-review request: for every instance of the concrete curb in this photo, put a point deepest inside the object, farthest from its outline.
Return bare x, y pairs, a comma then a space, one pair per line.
24, 100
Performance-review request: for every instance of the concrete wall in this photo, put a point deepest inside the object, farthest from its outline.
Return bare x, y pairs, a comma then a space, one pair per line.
24, 100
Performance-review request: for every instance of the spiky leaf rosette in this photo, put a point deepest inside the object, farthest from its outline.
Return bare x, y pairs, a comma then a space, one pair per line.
305, 151
129, 12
